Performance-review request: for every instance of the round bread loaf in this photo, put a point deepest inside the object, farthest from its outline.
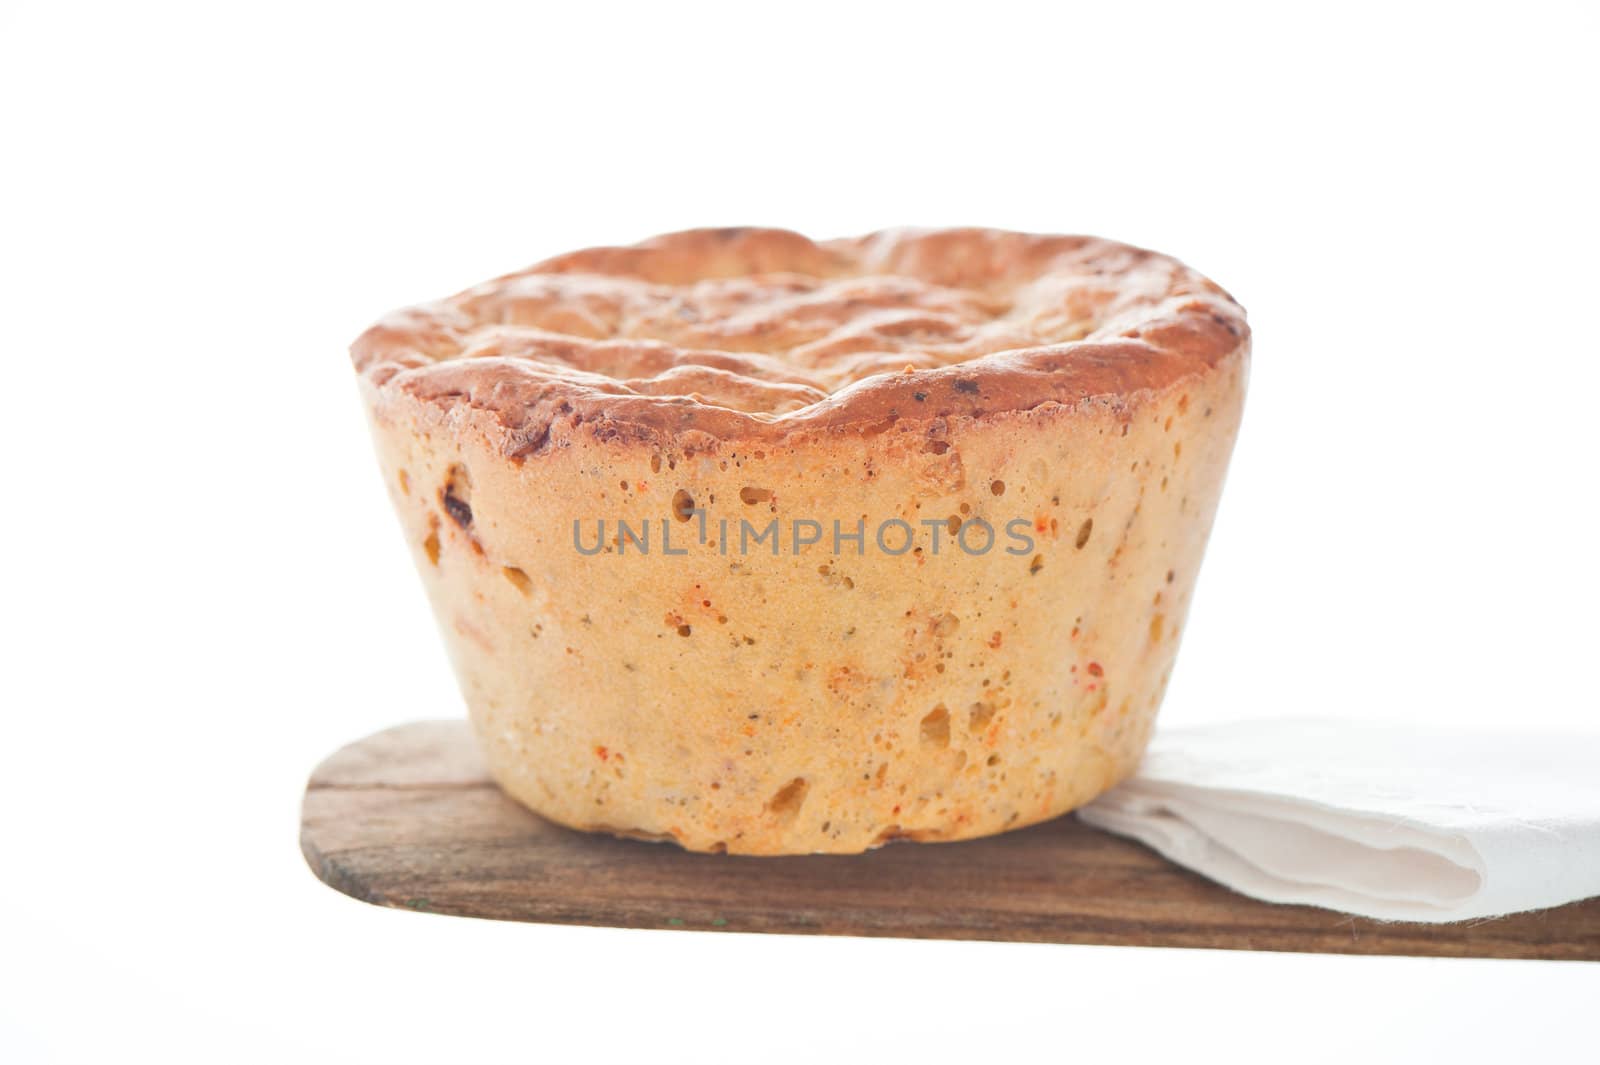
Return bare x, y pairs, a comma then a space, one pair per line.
773, 546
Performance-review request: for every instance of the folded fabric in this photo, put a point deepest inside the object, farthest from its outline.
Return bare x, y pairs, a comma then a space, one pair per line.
1389, 821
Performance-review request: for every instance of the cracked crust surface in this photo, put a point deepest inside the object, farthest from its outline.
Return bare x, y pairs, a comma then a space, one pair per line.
755, 334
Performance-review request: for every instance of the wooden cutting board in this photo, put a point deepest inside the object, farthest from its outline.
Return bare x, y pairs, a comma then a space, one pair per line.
409, 818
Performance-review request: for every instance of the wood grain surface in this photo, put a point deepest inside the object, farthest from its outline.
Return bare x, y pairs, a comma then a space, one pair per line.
409, 818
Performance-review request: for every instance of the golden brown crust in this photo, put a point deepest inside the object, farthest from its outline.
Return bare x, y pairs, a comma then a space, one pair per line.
758, 334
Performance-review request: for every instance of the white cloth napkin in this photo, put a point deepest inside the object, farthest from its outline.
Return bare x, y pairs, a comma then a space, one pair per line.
1387, 821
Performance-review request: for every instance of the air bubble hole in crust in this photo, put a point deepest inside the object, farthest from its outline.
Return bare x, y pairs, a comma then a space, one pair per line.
455, 496
787, 802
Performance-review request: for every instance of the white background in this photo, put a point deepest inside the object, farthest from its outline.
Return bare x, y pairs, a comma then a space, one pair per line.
204, 591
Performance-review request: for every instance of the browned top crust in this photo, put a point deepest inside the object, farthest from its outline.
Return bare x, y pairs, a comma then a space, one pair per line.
737, 334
